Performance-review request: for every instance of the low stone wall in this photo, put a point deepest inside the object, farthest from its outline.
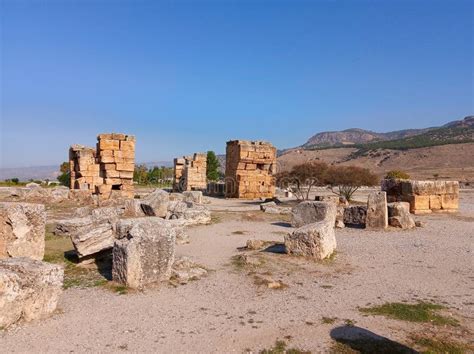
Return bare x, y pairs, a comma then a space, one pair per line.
423, 196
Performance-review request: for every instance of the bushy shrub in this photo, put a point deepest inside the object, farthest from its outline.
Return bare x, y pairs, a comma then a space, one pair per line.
397, 174
346, 180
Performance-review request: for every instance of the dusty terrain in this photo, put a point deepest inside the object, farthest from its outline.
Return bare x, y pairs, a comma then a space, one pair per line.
447, 161
232, 310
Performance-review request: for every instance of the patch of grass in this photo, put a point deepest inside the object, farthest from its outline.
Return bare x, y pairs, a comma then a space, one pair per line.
435, 345
56, 249
281, 347
419, 312
239, 232
328, 320
120, 289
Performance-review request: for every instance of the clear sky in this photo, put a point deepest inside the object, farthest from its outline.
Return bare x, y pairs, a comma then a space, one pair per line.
186, 76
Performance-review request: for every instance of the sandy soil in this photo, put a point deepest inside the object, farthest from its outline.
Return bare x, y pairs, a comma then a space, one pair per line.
227, 312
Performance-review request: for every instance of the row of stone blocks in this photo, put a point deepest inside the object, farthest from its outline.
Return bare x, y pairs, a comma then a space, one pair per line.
190, 173
29, 287
423, 196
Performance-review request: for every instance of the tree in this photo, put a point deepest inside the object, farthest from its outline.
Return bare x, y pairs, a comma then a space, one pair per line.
140, 175
302, 178
213, 164
346, 180
15, 180
64, 177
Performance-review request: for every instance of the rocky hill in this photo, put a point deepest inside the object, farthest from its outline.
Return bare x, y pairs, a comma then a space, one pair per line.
356, 136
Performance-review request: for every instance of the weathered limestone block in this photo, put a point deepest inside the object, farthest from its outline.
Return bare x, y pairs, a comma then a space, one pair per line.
193, 196
450, 202
377, 215
399, 215
22, 230
435, 202
309, 212
91, 234
29, 289
157, 202
340, 217
419, 204
189, 213
355, 216
145, 252
315, 240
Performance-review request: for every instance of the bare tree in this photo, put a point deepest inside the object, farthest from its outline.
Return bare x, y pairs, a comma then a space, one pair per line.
302, 178
346, 180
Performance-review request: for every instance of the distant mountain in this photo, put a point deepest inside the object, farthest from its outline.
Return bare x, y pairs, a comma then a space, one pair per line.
52, 172
356, 136
27, 173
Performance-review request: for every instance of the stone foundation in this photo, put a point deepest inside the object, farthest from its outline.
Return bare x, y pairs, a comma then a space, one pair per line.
423, 196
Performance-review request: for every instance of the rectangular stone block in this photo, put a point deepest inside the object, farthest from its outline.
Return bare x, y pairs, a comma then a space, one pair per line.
125, 167
106, 144
435, 202
127, 145
126, 174
419, 202
450, 201
113, 181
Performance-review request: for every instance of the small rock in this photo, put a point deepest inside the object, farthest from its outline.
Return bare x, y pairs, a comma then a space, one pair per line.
419, 223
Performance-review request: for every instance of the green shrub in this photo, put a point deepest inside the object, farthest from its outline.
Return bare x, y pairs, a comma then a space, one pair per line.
397, 174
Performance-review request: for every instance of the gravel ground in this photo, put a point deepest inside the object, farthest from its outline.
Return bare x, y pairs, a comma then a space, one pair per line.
228, 312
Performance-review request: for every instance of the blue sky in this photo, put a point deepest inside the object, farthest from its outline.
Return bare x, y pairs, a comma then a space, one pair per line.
186, 76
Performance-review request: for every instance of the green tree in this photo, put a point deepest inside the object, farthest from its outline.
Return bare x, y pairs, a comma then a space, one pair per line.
212, 166
64, 177
140, 175
15, 180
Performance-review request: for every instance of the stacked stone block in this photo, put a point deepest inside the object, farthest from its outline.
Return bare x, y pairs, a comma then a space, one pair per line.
424, 196
249, 170
107, 168
190, 173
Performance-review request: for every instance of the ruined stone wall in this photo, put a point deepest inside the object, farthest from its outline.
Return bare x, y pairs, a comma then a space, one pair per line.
424, 196
190, 173
250, 166
105, 170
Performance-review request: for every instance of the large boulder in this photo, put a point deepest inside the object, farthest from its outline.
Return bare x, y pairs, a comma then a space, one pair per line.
355, 216
22, 230
156, 203
399, 215
29, 289
316, 240
189, 213
377, 214
91, 234
309, 212
144, 253
193, 197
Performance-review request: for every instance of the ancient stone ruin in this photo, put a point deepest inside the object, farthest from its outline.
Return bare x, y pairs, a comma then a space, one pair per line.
106, 170
190, 173
424, 196
250, 166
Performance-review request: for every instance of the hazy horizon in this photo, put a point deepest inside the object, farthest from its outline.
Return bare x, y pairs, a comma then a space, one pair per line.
188, 76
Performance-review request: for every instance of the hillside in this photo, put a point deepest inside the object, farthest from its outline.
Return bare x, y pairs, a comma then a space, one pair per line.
354, 136
451, 161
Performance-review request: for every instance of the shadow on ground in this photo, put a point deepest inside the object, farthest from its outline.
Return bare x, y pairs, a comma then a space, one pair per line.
367, 342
